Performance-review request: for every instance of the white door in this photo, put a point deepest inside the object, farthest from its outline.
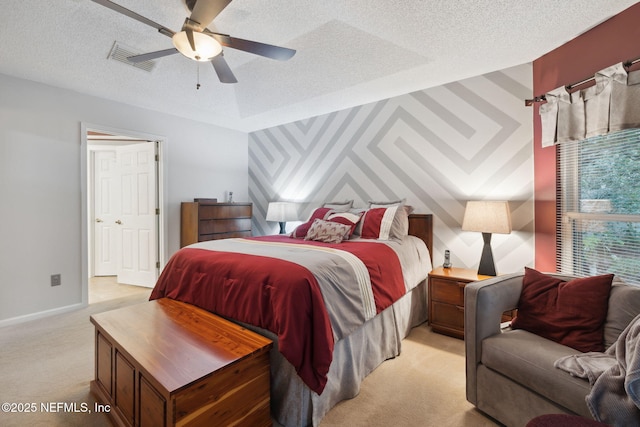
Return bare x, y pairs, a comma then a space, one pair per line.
105, 210
137, 222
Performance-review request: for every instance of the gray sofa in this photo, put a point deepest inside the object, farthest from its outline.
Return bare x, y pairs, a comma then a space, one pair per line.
510, 373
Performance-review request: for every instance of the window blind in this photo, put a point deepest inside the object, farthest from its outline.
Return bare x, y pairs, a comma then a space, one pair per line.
599, 206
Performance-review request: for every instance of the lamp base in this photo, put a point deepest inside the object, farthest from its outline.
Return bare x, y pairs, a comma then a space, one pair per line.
487, 267
283, 227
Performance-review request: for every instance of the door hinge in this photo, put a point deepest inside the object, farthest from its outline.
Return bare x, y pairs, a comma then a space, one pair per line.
157, 264
157, 211
157, 158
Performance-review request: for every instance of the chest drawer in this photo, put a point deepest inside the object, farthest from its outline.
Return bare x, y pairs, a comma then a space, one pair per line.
448, 291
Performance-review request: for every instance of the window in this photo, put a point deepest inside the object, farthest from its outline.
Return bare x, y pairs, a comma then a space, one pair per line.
599, 206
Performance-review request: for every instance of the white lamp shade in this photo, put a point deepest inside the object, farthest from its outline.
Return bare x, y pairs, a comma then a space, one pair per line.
487, 217
206, 47
282, 212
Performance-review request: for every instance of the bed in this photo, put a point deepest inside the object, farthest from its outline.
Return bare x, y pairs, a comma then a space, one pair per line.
331, 326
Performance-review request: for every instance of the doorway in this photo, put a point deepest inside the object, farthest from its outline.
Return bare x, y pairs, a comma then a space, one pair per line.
123, 235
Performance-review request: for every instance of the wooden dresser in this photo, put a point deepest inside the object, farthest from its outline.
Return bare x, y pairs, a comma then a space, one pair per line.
165, 363
201, 221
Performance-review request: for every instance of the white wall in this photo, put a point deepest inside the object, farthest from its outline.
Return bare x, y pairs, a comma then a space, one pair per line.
40, 183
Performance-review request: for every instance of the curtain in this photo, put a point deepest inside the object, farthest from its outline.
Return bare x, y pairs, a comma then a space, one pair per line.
612, 104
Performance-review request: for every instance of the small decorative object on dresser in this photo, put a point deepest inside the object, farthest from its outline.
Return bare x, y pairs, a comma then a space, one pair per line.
204, 219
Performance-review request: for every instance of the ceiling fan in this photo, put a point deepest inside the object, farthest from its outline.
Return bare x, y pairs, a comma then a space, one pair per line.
197, 42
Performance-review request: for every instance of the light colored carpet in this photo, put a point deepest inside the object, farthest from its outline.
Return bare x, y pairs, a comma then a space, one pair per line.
52, 360
424, 386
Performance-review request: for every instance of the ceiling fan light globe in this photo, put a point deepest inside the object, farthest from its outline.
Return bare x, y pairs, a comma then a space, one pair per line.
206, 47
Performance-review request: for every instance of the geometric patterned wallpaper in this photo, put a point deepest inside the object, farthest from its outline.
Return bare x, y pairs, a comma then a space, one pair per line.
438, 148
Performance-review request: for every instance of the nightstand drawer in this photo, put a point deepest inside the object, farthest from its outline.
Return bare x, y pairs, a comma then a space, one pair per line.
447, 315
447, 291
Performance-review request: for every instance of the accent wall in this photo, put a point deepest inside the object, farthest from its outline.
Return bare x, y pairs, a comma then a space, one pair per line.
436, 148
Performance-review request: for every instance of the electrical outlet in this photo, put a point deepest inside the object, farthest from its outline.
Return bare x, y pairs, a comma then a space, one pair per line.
56, 280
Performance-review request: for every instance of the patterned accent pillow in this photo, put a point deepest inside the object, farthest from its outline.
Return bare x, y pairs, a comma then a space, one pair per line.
327, 231
346, 218
376, 223
301, 231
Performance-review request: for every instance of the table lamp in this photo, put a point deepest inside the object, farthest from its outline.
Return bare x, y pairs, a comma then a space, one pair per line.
282, 212
487, 217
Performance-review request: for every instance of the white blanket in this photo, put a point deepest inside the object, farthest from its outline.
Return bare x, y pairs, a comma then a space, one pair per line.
615, 378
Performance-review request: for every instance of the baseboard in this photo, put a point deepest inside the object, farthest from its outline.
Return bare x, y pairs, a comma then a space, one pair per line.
41, 314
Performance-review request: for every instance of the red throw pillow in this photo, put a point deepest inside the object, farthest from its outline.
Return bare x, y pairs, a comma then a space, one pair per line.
301, 231
376, 223
570, 313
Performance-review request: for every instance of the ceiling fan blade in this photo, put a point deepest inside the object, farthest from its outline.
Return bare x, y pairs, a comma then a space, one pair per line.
192, 42
205, 11
131, 14
257, 48
152, 55
222, 69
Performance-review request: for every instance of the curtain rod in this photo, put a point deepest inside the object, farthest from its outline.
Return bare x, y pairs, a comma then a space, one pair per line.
541, 98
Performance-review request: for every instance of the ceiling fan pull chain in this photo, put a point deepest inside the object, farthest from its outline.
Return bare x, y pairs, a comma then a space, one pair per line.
198, 76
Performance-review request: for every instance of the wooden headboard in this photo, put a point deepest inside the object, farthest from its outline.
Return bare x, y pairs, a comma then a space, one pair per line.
421, 226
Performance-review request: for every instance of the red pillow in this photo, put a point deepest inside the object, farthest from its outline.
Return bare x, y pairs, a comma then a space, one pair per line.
570, 313
301, 231
376, 223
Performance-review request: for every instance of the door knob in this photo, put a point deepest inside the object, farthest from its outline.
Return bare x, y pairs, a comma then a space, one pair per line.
118, 222
99, 220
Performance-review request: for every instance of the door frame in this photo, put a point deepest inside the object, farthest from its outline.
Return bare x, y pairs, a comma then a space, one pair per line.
85, 201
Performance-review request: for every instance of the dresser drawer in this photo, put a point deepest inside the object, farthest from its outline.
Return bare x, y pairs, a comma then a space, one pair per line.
212, 226
225, 211
447, 291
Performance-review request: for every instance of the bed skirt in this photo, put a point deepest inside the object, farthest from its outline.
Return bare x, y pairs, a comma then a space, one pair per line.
293, 404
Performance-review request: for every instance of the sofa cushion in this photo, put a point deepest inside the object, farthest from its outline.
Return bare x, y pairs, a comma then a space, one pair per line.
528, 359
624, 306
571, 313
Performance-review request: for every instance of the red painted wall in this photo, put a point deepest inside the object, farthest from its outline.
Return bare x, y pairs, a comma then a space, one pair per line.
615, 40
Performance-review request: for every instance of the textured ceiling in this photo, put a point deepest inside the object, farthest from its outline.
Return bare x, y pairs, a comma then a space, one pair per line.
349, 52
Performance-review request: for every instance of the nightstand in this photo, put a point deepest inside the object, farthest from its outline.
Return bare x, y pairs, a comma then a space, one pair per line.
446, 299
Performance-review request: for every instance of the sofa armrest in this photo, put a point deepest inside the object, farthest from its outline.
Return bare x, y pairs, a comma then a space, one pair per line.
484, 303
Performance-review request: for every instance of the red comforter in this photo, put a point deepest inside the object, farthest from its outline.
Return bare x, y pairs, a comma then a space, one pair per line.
280, 296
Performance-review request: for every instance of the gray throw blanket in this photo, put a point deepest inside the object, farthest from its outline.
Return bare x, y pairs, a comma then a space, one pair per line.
615, 378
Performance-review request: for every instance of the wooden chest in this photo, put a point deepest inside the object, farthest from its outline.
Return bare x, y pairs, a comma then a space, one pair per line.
167, 363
